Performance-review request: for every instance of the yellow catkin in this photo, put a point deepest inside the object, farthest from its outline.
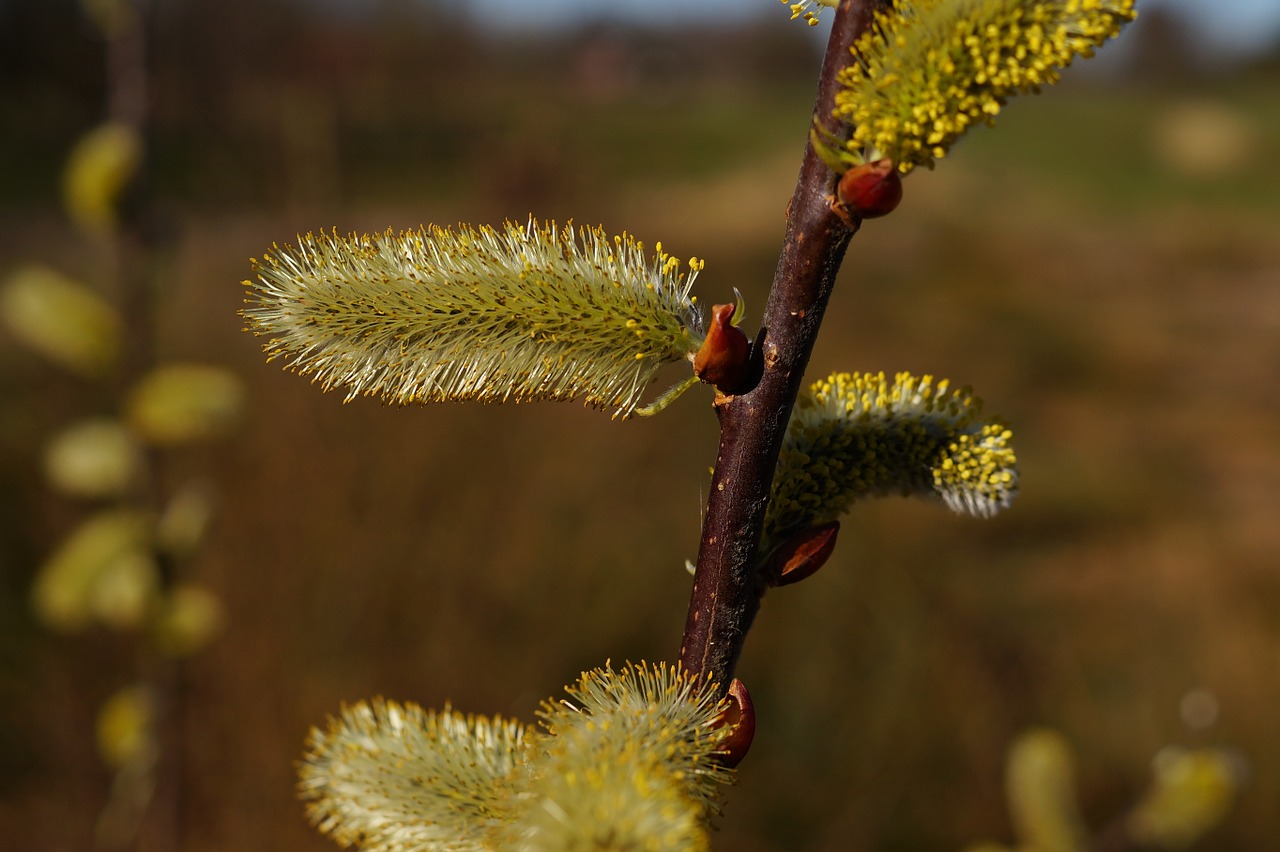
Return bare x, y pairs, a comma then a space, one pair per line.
394, 777
854, 435
928, 70
629, 760
518, 313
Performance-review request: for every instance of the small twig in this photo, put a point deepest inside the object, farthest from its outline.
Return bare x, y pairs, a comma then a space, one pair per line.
726, 588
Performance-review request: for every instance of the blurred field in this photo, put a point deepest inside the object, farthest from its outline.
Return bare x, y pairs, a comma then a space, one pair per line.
1110, 290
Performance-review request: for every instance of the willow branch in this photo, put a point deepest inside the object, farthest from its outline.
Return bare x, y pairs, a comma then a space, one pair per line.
726, 588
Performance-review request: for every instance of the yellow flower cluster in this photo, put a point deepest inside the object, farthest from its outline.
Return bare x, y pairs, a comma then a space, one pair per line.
521, 313
397, 778
855, 435
629, 761
928, 70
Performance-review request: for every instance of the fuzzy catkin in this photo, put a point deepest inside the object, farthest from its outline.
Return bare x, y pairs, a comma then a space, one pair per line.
521, 313
856, 435
928, 70
630, 760
397, 778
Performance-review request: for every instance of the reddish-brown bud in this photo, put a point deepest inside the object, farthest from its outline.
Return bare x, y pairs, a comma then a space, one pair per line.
870, 190
740, 718
802, 554
722, 359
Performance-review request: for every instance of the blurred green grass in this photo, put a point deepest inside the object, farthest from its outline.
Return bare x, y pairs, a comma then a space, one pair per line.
1119, 310
1105, 142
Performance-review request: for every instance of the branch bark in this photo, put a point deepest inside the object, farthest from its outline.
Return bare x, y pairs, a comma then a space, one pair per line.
726, 587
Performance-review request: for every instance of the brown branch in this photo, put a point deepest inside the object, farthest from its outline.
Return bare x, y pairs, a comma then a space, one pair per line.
726, 588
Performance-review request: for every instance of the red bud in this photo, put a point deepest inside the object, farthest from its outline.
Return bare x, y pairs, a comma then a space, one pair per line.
722, 359
741, 718
803, 554
870, 190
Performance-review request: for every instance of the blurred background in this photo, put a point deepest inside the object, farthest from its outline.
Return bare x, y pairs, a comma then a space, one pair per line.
1103, 267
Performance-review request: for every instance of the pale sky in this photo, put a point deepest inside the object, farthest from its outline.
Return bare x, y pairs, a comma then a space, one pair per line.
1241, 25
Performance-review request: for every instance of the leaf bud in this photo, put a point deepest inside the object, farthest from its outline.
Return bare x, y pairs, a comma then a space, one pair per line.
802, 554
870, 190
722, 359
741, 718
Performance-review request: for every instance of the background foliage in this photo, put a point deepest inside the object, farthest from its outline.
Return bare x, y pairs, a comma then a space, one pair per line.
1103, 268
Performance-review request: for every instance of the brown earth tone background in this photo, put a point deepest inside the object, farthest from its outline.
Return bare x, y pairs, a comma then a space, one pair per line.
1103, 268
